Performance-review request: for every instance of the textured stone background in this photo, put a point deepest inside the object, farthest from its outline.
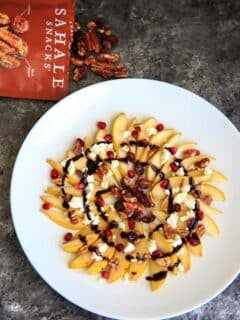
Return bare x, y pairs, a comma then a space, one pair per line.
191, 43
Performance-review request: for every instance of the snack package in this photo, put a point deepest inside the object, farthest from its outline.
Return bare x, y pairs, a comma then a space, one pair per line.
35, 41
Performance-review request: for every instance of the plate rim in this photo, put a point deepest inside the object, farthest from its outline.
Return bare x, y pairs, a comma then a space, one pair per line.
28, 136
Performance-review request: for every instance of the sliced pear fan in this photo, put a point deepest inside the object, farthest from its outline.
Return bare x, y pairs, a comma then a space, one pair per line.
128, 208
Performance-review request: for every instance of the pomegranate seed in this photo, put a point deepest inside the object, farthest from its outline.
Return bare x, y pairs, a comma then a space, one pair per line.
131, 173
47, 206
107, 233
54, 174
197, 152
108, 138
110, 154
200, 214
134, 134
101, 125
131, 156
160, 127
194, 240
174, 167
156, 253
79, 186
138, 129
131, 224
208, 199
164, 183
105, 274
120, 247
100, 202
177, 207
173, 150
68, 236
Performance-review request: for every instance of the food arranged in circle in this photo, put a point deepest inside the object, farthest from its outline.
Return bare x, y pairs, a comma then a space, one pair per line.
137, 199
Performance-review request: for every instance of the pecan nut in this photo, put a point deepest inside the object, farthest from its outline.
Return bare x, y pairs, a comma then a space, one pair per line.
201, 164
108, 57
201, 230
168, 231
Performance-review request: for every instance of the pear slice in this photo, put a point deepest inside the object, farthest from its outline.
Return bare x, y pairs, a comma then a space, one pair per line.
136, 269
214, 192
162, 243
217, 176
210, 225
158, 193
81, 163
56, 191
208, 209
161, 137
119, 126
158, 139
61, 220
172, 141
82, 261
155, 268
161, 215
179, 181
185, 258
56, 202
189, 163
74, 245
195, 250
55, 165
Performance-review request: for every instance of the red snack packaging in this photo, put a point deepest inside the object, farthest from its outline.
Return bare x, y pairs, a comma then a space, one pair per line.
35, 41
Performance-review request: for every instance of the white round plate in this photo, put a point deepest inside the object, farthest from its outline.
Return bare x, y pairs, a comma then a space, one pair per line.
76, 116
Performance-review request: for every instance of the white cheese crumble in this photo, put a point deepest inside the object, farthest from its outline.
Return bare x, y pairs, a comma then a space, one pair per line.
102, 148
115, 164
151, 131
129, 248
178, 153
167, 192
177, 241
122, 225
96, 221
125, 148
175, 190
189, 214
152, 246
173, 219
103, 248
92, 155
90, 178
96, 257
180, 172
186, 188
126, 134
165, 156
186, 199
76, 203
208, 171
71, 168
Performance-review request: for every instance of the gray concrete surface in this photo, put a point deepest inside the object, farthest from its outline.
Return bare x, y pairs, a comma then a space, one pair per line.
192, 43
